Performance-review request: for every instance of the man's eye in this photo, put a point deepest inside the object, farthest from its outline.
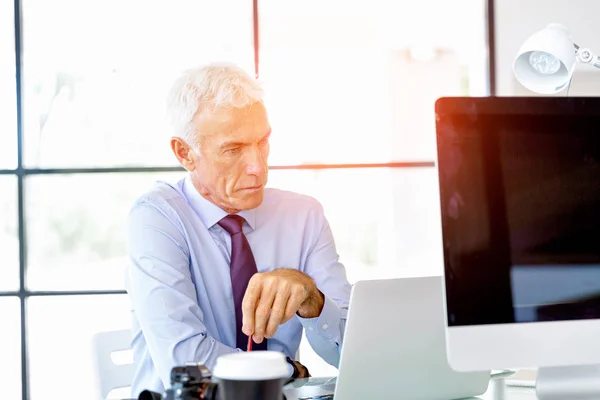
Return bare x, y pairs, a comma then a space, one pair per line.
264, 141
233, 152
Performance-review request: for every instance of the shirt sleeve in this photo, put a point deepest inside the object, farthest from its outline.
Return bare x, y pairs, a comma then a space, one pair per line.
325, 333
163, 294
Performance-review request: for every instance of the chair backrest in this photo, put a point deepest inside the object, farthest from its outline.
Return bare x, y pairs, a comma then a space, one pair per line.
111, 376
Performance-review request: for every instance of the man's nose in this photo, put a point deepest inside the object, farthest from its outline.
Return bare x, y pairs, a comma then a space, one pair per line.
256, 162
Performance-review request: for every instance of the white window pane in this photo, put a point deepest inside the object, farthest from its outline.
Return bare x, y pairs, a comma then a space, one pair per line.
60, 332
9, 234
10, 347
98, 73
385, 221
76, 236
8, 94
350, 83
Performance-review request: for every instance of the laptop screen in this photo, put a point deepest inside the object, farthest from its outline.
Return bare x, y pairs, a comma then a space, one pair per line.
520, 204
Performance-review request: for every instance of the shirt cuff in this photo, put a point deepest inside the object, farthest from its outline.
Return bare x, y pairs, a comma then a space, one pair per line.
328, 323
291, 370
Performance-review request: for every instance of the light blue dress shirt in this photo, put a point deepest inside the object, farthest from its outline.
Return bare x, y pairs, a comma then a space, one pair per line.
179, 284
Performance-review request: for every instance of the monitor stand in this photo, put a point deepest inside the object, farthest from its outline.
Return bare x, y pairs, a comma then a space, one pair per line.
574, 382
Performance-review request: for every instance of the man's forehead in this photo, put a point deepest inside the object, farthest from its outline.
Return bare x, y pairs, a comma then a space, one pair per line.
219, 129
228, 119
240, 136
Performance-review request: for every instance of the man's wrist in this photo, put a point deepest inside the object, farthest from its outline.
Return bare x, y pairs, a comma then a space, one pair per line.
295, 372
313, 305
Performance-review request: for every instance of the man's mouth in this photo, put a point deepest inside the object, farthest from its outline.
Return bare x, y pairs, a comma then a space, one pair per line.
252, 188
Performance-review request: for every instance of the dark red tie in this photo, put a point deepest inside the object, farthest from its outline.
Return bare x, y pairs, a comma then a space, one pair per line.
242, 268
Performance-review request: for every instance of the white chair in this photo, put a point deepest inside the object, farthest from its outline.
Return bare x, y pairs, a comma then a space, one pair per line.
111, 376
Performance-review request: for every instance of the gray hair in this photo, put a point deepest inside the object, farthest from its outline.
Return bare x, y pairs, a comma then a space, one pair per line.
208, 88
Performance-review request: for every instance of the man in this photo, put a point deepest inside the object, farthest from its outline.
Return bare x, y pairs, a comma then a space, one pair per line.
216, 256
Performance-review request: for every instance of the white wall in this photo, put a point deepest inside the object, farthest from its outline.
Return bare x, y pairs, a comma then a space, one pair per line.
516, 20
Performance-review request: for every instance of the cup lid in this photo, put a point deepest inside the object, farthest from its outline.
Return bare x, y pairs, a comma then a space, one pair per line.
253, 365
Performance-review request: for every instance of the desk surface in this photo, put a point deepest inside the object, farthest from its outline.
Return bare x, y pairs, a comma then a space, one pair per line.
499, 391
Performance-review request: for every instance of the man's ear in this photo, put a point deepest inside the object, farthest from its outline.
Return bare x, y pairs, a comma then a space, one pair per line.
183, 152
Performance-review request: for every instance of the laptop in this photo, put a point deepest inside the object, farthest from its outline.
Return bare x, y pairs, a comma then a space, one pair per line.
394, 348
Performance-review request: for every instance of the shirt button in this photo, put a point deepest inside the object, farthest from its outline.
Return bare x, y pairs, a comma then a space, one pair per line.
325, 326
310, 328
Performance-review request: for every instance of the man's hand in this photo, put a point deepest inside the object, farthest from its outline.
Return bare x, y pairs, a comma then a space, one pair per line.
302, 371
272, 298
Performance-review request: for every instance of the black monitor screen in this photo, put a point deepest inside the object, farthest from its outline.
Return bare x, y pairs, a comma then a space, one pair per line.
520, 204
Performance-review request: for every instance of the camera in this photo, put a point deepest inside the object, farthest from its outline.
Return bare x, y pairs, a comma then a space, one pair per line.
192, 381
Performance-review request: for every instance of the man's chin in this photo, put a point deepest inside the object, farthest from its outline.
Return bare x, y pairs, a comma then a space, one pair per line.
251, 200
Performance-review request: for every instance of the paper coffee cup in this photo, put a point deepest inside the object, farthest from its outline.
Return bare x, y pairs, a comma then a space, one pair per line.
256, 375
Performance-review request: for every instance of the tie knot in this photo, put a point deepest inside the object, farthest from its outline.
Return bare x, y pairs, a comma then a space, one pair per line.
232, 224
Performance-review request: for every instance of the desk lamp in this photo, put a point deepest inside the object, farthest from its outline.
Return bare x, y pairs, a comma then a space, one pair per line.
546, 60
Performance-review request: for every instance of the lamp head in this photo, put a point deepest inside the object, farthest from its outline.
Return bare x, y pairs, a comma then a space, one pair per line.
546, 60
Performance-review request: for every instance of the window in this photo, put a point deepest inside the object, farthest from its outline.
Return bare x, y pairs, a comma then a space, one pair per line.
9, 237
351, 83
10, 339
60, 333
8, 100
96, 98
385, 221
350, 92
77, 228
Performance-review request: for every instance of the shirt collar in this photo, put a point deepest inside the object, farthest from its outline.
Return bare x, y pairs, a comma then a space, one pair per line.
209, 213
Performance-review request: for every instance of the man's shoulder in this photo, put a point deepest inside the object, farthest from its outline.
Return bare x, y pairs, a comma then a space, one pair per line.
162, 195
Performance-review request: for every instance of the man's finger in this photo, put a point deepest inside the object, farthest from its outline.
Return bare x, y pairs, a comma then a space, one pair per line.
263, 310
277, 311
297, 297
249, 303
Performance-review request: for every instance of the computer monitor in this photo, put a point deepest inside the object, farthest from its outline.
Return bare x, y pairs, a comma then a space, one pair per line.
519, 186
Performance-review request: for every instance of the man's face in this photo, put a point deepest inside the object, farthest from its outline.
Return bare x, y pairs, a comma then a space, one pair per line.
230, 168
